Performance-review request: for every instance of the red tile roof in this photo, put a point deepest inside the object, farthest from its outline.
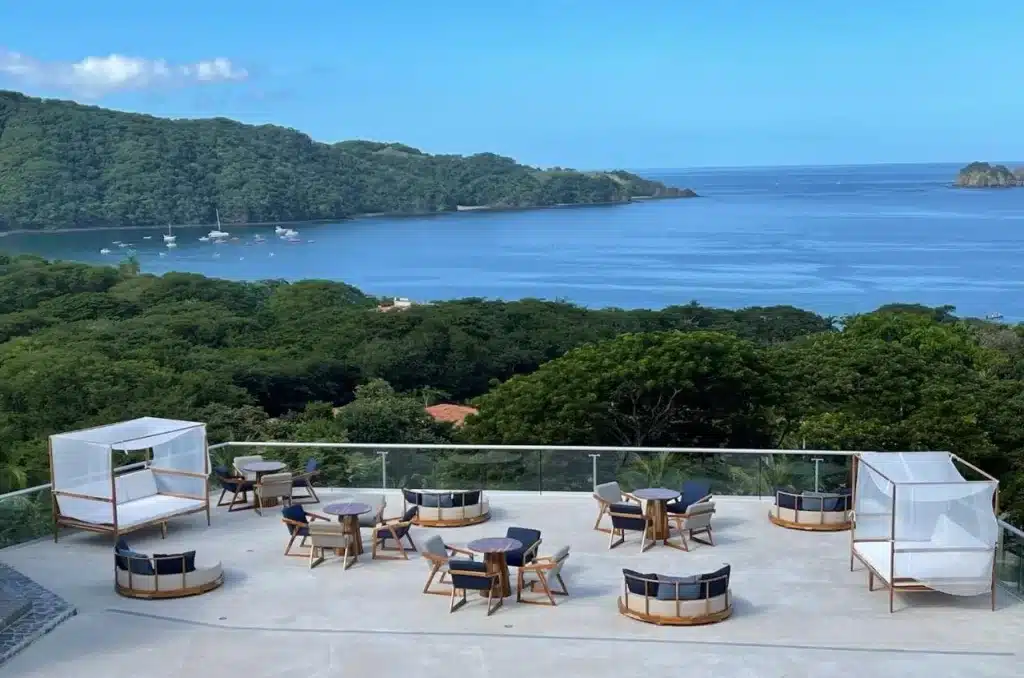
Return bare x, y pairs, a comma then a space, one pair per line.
455, 414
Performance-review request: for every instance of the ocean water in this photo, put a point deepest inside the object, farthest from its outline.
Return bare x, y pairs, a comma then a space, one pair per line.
835, 240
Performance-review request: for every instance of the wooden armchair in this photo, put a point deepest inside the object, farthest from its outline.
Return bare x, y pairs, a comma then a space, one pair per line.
329, 536
236, 485
607, 494
272, 487
626, 517
394, 529
438, 556
239, 462
296, 519
305, 480
469, 575
697, 520
542, 571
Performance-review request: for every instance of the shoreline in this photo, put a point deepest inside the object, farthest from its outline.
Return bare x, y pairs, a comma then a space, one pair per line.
357, 217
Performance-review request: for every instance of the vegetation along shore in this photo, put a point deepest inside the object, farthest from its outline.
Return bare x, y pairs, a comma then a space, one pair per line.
84, 345
986, 175
69, 166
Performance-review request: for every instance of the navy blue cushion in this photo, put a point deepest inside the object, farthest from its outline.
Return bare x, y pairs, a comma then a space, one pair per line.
172, 563
410, 513
411, 497
122, 545
787, 501
471, 498
446, 501
465, 581
715, 583
691, 492
527, 538
221, 470
136, 563
636, 584
678, 588
312, 465
295, 512
638, 524
430, 500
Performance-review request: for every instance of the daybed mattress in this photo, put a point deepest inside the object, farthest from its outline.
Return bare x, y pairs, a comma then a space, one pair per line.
931, 568
129, 514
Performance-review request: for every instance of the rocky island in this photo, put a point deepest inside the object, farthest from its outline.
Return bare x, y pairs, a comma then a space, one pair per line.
985, 175
67, 166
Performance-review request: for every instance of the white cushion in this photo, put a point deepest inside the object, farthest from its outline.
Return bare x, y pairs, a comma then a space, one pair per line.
135, 485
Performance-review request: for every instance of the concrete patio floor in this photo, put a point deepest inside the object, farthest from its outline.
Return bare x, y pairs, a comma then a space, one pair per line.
799, 611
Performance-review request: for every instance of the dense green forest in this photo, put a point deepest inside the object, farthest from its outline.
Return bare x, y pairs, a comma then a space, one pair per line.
315, 361
64, 165
985, 175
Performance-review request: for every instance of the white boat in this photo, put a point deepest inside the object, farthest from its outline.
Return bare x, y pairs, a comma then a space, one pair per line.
163, 254
279, 230
147, 237
105, 250
171, 243
288, 234
259, 238
216, 233
204, 238
123, 244
169, 235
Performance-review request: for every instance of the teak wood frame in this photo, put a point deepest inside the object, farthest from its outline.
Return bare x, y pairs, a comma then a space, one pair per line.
603, 507
541, 567
679, 518
494, 602
906, 583
817, 526
678, 619
113, 528
437, 565
293, 530
390, 527
621, 532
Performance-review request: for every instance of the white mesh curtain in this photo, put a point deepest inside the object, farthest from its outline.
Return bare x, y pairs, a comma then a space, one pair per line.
945, 528
83, 468
185, 451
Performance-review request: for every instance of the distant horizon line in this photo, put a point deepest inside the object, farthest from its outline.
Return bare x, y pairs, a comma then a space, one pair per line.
704, 168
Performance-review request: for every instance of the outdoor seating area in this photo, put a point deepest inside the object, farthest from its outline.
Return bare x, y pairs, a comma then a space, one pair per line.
138, 575
447, 508
812, 511
777, 580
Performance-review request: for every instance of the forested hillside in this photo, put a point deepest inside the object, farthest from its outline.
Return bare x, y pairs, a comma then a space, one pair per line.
64, 165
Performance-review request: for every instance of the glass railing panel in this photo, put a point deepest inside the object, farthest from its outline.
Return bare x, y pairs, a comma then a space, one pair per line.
25, 517
568, 470
459, 469
728, 473
1010, 562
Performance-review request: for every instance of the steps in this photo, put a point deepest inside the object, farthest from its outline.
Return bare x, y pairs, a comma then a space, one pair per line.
27, 611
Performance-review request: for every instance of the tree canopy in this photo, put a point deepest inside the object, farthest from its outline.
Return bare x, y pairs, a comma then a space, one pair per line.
65, 165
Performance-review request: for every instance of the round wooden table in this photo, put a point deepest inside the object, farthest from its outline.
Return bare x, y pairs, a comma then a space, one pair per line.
262, 468
494, 550
348, 513
656, 498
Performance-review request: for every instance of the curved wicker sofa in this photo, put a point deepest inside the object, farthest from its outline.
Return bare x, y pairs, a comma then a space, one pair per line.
677, 601
447, 508
812, 511
137, 575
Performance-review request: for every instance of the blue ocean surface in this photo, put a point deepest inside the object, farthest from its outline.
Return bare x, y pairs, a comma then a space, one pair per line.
835, 240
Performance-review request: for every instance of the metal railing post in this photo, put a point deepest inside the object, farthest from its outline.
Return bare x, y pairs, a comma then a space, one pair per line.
383, 469
593, 472
817, 461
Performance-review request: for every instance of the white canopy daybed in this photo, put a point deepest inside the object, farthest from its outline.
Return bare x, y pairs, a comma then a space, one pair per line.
919, 525
89, 494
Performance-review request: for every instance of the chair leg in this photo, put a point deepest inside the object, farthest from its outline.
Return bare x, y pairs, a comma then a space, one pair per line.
412, 544
430, 580
453, 606
602, 509
561, 582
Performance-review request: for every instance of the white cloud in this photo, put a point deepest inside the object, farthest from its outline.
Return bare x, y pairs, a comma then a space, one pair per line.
96, 76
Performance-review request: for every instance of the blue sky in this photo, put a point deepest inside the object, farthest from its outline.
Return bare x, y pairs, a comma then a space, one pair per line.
587, 83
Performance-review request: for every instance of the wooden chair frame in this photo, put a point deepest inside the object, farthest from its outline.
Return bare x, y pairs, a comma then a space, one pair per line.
286, 500
436, 565
604, 506
392, 525
304, 479
349, 558
492, 606
622, 531
244, 487
541, 566
293, 527
678, 519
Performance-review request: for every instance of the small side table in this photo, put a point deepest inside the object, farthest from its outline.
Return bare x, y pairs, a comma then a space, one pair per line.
494, 550
348, 515
656, 498
262, 468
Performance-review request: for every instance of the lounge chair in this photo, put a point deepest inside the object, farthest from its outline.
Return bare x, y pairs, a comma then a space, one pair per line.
296, 519
239, 462
272, 487
629, 518
236, 485
607, 494
543, 570
305, 480
530, 539
692, 492
328, 536
394, 529
439, 557
377, 504
677, 601
695, 521
470, 575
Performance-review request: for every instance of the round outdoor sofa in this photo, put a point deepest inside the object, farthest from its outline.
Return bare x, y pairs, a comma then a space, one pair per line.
677, 601
812, 511
447, 508
137, 575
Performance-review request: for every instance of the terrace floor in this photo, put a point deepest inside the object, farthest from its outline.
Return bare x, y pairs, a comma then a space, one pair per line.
799, 611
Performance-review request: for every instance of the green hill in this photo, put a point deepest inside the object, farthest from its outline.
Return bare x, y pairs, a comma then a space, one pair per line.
64, 165
984, 175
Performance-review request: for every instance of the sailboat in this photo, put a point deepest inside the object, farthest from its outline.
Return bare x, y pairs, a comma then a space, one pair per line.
169, 236
216, 234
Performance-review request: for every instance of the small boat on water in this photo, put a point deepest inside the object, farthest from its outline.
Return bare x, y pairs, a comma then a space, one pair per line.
123, 244
147, 237
169, 235
105, 250
204, 238
217, 234
279, 230
171, 244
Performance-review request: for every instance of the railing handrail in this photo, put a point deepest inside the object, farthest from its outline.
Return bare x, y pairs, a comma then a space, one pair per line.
47, 486
537, 448
1010, 528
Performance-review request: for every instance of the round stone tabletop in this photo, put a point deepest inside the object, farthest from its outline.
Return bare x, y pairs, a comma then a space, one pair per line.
264, 466
494, 545
656, 494
347, 508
